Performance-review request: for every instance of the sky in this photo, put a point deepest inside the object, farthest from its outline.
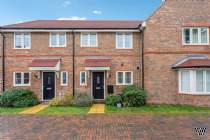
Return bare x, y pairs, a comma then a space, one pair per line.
17, 11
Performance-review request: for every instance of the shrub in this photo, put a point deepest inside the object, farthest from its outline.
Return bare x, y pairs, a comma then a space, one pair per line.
66, 101
133, 96
18, 98
82, 100
113, 100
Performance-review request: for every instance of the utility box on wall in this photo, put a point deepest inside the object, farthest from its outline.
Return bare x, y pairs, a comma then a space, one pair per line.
110, 89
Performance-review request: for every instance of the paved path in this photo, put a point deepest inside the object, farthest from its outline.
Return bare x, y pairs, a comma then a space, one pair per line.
97, 108
103, 126
35, 109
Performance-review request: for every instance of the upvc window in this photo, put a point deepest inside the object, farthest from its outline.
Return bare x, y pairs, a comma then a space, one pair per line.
194, 81
195, 36
58, 39
21, 79
89, 40
22, 41
124, 78
124, 41
64, 78
83, 78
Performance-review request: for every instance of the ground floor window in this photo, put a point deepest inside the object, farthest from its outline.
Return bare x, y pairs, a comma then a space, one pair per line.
124, 77
21, 79
194, 81
83, 78
64, 78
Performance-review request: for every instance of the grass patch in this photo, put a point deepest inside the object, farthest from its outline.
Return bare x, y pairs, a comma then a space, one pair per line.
158, 109
10, 110
65, 110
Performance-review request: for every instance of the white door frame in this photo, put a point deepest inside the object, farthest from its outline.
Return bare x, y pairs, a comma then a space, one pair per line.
43, 84
92, 85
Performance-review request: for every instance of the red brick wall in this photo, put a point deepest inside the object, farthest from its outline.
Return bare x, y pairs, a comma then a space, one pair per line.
18, 60
163, 47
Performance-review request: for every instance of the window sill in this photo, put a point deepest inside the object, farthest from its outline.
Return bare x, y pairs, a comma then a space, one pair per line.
195, 94
21, 85
21, 48
88, 46
124, 48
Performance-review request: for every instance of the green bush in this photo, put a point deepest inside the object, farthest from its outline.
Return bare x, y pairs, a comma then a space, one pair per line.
133, 96
18, 98
82, 100
113, 100
66, 101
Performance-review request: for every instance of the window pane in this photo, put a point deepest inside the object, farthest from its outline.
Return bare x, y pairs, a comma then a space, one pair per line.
204, 38
208, 80
128, 41
26, 40
83, 78
185, 81
199, 81
187, 36
18, 40
85, 40
26, 78
195, 36
17, 78
120, 77
62, 39
53, 39
128, 77
64, 78
119, 41
93, 40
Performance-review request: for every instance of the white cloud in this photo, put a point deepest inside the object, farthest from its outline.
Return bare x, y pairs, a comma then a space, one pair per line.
72, 18
97, 12
66, 3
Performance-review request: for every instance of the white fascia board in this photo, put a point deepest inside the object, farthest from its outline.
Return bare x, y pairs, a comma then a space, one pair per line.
97, 68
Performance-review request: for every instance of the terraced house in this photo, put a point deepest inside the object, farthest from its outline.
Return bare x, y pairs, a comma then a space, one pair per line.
167, 54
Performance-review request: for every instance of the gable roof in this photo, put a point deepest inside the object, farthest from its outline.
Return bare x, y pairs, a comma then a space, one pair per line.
76, 24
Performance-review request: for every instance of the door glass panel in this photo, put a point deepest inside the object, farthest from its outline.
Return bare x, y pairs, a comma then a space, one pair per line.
98, 80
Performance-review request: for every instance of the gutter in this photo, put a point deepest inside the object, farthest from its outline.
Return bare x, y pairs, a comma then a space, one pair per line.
141, 29
3, 60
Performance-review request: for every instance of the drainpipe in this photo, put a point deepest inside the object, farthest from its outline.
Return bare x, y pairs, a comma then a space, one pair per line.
141, 29
3, 60
73, 61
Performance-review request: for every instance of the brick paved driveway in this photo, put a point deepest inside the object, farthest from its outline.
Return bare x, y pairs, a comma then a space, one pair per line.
110, 127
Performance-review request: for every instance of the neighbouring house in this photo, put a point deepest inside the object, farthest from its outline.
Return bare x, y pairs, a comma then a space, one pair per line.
167, 54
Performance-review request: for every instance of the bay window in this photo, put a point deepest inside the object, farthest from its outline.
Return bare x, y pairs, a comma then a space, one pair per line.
194, 81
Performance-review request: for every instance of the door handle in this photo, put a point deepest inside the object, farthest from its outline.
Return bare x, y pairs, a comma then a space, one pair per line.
98, 88
49, 88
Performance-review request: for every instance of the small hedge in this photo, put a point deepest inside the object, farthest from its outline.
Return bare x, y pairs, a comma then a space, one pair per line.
66, 101
113, 100
131, 97
18, 98
82, 100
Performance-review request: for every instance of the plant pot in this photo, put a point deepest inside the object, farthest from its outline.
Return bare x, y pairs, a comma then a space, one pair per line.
119, 105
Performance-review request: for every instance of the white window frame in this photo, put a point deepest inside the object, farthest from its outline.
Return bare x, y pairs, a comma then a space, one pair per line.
191, 36
57, 40
89, 40
22, 79
64, 84
193, 82
22, 40
117, 82
83, 84
123, 34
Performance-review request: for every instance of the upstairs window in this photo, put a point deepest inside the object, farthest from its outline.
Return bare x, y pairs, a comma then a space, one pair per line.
124, 41
57, 39
195, 36
89, 40
22, 41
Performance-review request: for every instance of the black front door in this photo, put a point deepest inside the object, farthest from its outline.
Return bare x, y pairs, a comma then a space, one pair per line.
98, 85
48, 85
